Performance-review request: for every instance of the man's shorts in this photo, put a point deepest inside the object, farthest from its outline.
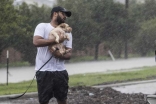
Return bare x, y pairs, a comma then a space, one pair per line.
52, 84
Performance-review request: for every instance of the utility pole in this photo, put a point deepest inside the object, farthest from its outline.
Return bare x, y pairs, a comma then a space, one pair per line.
126, 40
7, 66
126, 4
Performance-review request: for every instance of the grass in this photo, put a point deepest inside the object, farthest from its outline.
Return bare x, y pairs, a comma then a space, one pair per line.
16, 88
83, 79
99, 78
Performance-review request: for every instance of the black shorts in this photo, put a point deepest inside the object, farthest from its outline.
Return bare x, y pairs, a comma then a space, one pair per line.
52, 84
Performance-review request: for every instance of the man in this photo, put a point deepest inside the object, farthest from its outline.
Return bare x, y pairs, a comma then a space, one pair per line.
52, 79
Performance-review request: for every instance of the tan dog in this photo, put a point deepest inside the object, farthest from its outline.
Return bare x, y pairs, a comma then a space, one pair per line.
60, 30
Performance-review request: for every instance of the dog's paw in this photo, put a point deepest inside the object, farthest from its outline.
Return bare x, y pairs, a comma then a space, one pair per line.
57, 40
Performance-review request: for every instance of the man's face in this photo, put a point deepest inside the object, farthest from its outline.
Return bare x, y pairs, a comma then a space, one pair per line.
61, 17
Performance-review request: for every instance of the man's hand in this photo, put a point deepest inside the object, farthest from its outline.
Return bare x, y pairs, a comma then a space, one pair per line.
65, 56
57, 54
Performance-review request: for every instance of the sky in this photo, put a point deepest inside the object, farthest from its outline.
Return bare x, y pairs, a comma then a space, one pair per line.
51, 2
40, 2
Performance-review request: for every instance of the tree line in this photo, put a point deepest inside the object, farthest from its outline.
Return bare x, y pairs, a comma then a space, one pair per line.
122, 30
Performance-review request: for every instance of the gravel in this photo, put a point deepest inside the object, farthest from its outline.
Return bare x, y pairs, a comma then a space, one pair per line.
90, 95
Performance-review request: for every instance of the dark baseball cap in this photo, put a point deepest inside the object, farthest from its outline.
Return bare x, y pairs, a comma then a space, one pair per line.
60, 9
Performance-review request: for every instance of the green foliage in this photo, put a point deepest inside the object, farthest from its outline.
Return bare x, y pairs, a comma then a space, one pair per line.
8, 19
144, 11
145, 15
149, 9
29, 17
99, 21
93, 22
17, 26
145, 40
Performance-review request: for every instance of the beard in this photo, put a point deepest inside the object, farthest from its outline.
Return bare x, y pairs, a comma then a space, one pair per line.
60, 20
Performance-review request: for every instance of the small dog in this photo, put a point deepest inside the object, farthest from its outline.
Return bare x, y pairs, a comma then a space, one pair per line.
61, 29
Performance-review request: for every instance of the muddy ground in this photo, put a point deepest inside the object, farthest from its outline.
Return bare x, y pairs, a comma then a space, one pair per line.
89, 95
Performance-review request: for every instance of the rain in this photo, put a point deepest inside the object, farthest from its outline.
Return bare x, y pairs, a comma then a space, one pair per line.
110, 37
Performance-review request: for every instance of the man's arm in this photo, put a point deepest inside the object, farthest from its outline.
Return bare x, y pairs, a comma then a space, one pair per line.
66, 56
38, 41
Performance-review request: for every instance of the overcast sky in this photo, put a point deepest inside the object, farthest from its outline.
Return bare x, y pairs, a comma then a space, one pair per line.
39, 2
50, 2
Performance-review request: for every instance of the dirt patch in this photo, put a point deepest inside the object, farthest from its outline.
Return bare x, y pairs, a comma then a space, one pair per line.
89, 95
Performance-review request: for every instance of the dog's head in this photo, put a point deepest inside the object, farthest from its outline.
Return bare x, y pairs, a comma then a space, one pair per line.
65, 27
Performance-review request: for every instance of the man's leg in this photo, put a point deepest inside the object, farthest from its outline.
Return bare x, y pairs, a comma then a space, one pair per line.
62, 102
61, 86
44, 86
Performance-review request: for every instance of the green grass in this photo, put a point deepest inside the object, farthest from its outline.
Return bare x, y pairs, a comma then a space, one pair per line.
99, 78
16, 88
83, 79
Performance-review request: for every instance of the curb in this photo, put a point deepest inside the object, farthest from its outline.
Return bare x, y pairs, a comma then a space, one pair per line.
124, 84
27, 95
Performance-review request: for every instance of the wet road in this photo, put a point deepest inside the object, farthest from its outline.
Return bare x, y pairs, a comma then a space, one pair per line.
145, 88
18, 74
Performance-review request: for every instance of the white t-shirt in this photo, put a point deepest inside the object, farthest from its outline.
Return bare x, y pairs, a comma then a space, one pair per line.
43, 53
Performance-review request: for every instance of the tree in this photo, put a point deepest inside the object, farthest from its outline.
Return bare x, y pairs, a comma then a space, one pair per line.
109, 17
145, 40
94, 22
145, 15
149, 9
8, 23
29, 17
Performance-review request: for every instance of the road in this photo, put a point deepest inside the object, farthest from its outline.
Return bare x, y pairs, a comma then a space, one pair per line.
18, 74
147, 87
